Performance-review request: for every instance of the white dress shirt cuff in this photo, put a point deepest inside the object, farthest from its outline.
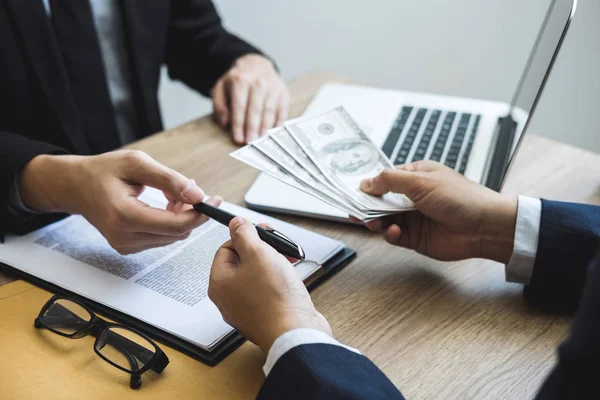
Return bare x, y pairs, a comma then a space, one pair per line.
294, 338
527, 232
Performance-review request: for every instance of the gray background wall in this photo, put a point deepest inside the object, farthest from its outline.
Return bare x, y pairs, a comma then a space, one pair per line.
473, 48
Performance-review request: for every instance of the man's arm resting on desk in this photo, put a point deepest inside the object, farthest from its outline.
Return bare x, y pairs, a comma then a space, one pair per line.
309, 364
249, 96
199, 49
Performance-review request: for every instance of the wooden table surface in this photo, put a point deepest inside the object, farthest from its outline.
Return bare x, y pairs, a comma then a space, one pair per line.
438, 330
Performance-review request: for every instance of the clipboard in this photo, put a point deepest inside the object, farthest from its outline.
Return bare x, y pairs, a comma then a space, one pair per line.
211, 358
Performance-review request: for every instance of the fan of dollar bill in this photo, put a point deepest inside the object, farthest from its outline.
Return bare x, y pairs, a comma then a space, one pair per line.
326, 156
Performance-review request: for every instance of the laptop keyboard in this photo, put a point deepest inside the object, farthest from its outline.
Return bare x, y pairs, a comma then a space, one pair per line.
424, 134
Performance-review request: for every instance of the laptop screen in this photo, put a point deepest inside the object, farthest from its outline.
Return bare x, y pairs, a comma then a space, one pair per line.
534, 76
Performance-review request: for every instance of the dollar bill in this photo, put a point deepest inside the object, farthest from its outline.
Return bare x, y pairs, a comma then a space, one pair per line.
345, 155
283, 138
253, 157
279, 156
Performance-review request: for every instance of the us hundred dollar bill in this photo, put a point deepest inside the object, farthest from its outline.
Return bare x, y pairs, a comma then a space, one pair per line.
253, 157
278, 155
283, 138
345, 156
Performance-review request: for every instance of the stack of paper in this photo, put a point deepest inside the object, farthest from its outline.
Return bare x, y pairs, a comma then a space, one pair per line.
326, 156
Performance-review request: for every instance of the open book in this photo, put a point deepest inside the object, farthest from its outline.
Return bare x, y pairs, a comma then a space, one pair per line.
164, 287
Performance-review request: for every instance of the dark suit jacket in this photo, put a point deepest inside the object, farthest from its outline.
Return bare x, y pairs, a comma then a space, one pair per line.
566, 273
37, 110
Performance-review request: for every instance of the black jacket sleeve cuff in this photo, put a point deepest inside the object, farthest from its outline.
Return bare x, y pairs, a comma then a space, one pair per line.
15, 152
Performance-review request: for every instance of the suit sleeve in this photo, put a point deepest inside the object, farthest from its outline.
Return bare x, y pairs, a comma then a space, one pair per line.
576, 374
15, 152
326, 371
199, 49
569, 238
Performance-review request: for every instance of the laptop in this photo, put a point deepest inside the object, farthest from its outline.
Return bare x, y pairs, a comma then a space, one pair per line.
478, 138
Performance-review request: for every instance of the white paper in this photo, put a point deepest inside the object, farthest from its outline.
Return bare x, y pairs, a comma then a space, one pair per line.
165, 287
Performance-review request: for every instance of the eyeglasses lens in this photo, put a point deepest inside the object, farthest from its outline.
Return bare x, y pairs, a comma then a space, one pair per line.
125, 348
66, 317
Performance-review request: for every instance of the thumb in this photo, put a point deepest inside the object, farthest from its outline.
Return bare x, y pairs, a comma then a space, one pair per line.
244, 236
392, 180
147, 171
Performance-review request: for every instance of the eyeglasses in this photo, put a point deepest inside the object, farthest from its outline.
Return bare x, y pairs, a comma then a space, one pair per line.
124, 348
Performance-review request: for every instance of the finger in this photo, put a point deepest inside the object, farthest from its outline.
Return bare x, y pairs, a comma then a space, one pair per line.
256, 104
172, 205
225, 257
377, 225
147, 242
393, 235
269, 113
244, 237
143, 218
178, 206
140, 239
220, 109
381, 224
169, 197
391, 180
239, 91
420, 166
224, 264
282, 108
142, 168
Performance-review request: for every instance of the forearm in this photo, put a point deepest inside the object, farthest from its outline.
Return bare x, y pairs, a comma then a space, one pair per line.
46, 183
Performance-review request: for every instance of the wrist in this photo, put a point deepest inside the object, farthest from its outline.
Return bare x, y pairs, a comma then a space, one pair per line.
288, 323
46, 183
498, 233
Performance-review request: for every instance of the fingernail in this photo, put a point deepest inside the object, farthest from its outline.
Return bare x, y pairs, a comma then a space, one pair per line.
192, 193
238, 137
252, 135
215, 201
365, 184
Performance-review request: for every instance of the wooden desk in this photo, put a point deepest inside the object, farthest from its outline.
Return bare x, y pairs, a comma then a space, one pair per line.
438, 330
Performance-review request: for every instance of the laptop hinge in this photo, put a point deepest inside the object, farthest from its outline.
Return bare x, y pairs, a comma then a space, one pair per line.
505, 136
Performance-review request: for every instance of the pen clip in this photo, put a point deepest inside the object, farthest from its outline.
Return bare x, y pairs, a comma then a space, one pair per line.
281, 237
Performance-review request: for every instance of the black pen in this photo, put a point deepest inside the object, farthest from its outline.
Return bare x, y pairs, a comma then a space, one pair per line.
275, 239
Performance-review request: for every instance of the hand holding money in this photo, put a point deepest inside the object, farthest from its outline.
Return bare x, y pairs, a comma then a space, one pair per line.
326, 156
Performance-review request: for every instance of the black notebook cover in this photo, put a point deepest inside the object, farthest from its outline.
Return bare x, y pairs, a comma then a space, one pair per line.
208, 357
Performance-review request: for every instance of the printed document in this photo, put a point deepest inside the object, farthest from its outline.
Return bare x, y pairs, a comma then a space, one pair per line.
165, 287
